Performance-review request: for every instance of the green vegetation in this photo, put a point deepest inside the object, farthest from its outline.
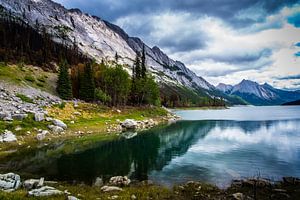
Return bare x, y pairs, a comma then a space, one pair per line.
87, 84
64, 87
24, 98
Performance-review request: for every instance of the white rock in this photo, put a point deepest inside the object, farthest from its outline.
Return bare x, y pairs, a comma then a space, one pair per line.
111, 189
119, 181
56, 129
8, 136
44, 191
39, 117
59, 123
129, 124
19, 116
72, 198
98, 182
10, 181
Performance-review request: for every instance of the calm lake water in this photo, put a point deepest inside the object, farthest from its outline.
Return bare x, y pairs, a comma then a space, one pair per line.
214, 146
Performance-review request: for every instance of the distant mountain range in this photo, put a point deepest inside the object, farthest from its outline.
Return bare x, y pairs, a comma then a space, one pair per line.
257, 94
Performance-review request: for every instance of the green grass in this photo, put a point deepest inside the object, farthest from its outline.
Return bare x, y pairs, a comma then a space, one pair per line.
27, 75
24, 98
29, 78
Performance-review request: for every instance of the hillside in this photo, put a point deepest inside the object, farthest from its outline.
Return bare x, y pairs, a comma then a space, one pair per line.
293, 103
100, 40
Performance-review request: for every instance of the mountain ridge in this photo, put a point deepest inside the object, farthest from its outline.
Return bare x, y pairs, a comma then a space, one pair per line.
257, 94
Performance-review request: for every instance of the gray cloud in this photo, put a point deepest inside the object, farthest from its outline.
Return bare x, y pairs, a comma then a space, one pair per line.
293, 77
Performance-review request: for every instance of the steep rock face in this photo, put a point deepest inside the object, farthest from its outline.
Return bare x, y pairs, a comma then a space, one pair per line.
102, 40
257, 94
224, 88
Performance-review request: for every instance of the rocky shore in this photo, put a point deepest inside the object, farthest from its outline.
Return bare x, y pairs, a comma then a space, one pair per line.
121, 187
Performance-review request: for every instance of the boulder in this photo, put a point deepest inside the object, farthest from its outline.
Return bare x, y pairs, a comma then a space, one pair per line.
39, 117
10, 182
55, 129
19, 116
129, 124
72, 198
44, 191
238, 196
42, 135
98, 182
111, 189
33, 183
8, 136
59, 123
119, 181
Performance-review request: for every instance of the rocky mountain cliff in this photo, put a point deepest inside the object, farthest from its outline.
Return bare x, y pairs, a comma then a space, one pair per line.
102, 40
257, 94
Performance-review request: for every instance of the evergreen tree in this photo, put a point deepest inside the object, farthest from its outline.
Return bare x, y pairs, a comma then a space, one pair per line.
143, 63
64, 87
116, 57
137, 66
87, 84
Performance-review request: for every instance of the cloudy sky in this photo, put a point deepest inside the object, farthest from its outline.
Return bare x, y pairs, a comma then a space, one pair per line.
221, 40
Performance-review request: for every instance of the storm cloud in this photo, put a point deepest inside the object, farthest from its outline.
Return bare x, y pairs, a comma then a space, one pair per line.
221, 40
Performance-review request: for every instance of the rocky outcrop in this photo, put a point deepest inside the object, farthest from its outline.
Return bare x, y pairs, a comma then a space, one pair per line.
10, 182
8, 136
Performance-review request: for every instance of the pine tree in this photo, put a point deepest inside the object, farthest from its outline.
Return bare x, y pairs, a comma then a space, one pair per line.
87, 84
143, 63
137, 66
64, 87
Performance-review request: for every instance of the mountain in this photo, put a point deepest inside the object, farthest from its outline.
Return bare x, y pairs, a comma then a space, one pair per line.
101, 40
257, 94
292, 103
224, 88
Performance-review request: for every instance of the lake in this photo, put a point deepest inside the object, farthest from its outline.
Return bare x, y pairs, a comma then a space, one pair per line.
213, 146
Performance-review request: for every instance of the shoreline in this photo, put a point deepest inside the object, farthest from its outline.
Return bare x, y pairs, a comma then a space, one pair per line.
124, 188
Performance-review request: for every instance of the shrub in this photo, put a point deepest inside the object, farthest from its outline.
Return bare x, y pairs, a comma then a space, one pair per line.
24, 98
29, 78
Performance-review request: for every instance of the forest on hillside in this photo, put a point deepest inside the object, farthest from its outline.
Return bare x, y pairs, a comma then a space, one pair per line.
81, 77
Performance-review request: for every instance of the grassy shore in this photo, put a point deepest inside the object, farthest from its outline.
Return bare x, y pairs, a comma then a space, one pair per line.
257, 188
84, 121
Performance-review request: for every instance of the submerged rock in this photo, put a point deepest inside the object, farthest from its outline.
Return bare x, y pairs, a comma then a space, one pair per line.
10, 182
44, 191
119, 181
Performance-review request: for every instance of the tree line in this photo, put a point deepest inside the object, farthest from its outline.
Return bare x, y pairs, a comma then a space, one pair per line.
109, 83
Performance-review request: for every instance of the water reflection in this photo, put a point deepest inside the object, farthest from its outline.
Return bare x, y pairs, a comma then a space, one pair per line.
212, 151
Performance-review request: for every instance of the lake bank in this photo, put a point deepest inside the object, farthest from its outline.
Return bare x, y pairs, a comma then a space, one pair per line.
254, 188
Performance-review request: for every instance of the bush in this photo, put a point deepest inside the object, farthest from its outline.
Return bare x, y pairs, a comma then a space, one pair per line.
102, 96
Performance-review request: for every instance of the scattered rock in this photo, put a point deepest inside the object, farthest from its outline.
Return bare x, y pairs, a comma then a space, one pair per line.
39, 117
238, 196
133, 197
59, 123
111, 189
19, 117
8, 136
44, 191
56, 129
119, 181
98, 182
42, 135
33, 183
72, 198
10, 182
114, 197
129, 124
